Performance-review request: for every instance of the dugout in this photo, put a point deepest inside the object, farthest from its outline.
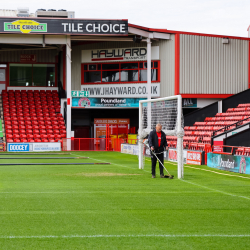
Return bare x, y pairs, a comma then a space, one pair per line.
110, 58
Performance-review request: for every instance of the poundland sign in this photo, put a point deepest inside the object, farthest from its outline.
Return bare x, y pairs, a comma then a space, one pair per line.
64, 26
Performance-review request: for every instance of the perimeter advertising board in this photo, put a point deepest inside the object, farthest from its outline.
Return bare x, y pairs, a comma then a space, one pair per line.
232, 163
34, 147
172, 155
18, 147
85, 102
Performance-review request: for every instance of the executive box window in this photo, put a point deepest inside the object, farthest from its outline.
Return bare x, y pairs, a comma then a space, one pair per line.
122, 72
32, 75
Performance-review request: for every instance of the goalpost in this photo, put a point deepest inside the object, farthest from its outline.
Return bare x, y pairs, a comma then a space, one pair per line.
168, 112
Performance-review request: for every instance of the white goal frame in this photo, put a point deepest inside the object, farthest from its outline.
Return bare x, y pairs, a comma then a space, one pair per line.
179, 132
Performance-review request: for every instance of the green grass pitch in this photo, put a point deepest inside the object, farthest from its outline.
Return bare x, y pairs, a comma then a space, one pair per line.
118, 206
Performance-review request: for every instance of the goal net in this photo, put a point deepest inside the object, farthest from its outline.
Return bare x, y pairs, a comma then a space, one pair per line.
168, 112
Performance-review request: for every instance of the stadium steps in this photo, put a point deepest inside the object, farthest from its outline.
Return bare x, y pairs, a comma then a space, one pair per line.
32, 116
202, 132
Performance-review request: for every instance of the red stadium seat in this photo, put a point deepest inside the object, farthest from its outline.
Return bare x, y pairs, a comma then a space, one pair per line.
28, 130
17, 140
47, 123
30, 136
16, 136
44, 136
61, 123
27, 123
55, 123
57, 137
54, 119
52, 136
36, 132
37, 136
40, 118
37, 140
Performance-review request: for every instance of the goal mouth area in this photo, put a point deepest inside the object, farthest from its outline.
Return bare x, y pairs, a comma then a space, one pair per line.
166, 112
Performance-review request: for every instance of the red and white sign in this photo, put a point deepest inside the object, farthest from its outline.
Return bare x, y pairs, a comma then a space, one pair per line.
194, 157
120, 54
172, 155
218, 146
111, 121
27, 58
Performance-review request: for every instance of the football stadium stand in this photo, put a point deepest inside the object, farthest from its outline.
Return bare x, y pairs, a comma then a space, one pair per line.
32, 116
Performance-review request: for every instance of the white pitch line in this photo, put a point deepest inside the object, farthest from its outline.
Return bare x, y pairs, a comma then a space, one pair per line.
126, 236
113, 163
97, 192
215, 190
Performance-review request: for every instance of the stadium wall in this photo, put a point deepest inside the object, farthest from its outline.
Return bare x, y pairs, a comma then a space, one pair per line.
167, 58
45, 55
77, 53
207, 66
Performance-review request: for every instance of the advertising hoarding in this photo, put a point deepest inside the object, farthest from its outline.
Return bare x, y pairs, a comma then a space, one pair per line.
232, 163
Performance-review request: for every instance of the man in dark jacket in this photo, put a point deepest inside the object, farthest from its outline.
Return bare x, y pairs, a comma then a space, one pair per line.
157, 142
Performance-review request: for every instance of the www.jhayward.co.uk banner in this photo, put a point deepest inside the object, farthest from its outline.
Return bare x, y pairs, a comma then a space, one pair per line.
232, 163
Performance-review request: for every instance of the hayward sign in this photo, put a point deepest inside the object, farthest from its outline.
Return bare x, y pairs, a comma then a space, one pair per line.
119, 54
63, 26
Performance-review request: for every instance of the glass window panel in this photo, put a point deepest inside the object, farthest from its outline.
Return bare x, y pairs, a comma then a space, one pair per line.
143, 75
92, 67
129, 66
141, 65
155, 64
20, 74
145, 65
110, 76
129, 75
85, 67
43, 75
92, 76
110, 66
99, 66
2, 75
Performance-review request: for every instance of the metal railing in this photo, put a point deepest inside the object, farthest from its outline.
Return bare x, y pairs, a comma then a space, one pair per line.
94, 144
230, 127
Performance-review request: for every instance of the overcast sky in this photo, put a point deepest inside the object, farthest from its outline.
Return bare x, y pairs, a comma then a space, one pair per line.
224, 17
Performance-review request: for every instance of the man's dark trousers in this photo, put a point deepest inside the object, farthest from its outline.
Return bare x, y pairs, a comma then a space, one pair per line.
154, 160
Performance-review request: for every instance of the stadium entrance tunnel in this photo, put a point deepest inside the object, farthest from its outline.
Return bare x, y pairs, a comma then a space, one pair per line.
83, 119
